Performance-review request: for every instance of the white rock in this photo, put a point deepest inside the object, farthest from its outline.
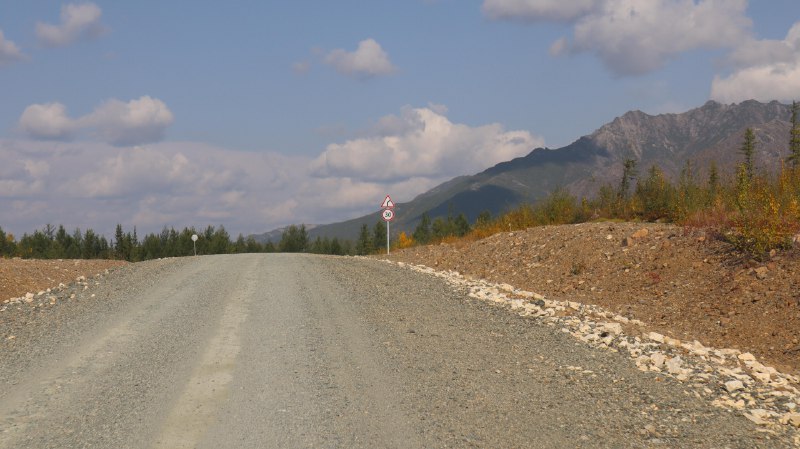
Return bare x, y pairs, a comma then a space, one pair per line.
611, 328
696, 348
658, 359
758, 416
655, 336
29, 295
506, 287
734, 385
762, 376
746, 357
674, 365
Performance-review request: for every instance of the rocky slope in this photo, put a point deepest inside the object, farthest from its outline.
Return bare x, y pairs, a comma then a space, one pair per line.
677, 281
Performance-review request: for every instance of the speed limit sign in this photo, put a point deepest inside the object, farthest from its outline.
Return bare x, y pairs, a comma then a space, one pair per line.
387, 214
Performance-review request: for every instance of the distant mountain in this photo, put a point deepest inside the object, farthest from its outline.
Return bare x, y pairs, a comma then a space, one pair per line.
709, 133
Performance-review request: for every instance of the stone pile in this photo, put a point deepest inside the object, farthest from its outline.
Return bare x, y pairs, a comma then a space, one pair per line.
727, 377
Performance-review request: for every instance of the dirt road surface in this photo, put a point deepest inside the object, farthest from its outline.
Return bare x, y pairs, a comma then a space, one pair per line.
289, 351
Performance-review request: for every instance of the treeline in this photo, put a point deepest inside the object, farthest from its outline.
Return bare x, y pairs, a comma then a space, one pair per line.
56, 243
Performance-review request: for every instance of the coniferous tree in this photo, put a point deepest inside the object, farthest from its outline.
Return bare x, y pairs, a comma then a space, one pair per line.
794, 136
461, 225
336, 247
294, 239
364, 243
484, 218
7, 244
623, 194
422, 233
379, 235
748, 150
713, 182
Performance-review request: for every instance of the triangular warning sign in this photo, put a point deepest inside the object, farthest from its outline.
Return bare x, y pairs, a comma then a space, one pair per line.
387, 203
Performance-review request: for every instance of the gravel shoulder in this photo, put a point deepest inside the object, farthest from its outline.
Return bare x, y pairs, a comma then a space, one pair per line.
305, 351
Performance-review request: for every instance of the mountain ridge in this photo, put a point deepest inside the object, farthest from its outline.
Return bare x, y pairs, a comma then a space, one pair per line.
709, 133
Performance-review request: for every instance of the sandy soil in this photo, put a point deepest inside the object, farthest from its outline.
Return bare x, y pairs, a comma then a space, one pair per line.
21, 276
680, 282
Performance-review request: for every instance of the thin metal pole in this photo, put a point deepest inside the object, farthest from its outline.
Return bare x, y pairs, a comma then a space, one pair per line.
387, 238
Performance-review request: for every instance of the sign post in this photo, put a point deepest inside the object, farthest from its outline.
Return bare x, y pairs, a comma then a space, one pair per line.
388, 215
194, 243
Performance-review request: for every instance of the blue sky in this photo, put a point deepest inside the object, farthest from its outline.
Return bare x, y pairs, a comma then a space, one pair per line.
257, 114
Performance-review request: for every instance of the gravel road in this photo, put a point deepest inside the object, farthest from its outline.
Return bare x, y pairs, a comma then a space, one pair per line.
284, 351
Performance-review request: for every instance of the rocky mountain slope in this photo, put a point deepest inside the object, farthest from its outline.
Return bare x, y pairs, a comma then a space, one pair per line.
712, 132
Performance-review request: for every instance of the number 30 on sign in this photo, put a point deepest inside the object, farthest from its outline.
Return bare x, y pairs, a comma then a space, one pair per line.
388, 215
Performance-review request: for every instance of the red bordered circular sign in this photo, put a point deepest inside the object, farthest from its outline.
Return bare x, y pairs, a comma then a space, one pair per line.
387, 215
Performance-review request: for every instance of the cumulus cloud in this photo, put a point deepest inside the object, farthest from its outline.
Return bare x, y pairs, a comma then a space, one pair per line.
143, 120
78, 21
138, 121
47, 121
95, 184
9, 52
638, 37
634, 37
421, 142
764, 83
538, 10
764, 70
367, 61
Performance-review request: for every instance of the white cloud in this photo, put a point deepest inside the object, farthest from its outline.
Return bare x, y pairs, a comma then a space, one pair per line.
422, 143
9, 52
78, 21
138, 121
97, 185
638, 37
538, 10
764, 83
765, 70
756, 52
90, 184
367, 61
47, 121
143, 120
635, 37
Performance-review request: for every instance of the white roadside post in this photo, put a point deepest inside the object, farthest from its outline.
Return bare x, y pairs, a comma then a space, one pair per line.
194, 243
388, 215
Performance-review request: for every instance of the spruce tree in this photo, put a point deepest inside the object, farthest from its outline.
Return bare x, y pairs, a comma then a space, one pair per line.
379, 235
422, 233
794, 136
748, 150
364, 244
